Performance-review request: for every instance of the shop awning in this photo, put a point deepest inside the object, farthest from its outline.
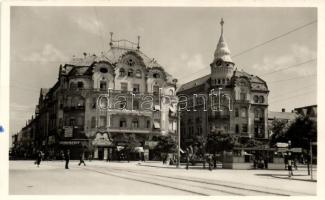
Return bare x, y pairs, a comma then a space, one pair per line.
138, 149
157, 107
119, 148
156, 124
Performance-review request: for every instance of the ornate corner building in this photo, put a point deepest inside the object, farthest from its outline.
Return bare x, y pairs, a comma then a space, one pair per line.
227, 101
100, 103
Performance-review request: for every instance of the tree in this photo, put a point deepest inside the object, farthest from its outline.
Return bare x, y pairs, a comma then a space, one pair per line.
166, 144
217, 143
278, 128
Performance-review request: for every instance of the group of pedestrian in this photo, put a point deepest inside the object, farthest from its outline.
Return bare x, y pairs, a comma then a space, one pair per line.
66, 157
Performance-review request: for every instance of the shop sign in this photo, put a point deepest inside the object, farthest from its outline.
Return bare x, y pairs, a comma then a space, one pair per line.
151, 144
51, 139
68, 131
69, 142
102, 140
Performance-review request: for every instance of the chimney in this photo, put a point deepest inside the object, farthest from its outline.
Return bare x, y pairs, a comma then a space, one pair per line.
283, 109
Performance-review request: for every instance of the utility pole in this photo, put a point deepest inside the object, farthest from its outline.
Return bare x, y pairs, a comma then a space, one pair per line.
311, 160
178, 136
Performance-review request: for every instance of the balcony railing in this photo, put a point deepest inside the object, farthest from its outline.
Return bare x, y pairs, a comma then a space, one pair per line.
72, 108
215, 115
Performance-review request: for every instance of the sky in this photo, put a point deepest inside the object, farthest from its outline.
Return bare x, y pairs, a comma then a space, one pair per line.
182, 40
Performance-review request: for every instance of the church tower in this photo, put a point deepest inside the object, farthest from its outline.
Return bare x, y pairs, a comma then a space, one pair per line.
222, 66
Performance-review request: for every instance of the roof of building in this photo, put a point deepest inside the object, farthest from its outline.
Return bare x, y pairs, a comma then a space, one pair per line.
113, 55
44, 91
282, 115
194, 83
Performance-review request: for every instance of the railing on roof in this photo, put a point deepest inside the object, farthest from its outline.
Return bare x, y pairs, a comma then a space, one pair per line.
126, 44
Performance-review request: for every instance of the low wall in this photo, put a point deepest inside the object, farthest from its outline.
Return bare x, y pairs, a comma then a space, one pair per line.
237, 165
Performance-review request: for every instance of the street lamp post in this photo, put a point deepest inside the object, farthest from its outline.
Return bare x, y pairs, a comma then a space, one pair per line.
289, 158
178, 136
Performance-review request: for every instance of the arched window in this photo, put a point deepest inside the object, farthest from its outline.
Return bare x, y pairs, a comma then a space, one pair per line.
261, 99
80, 121
130, 73
255, 99
80, 84
155, 89
73, 85
223, 81
81, 102
123, 123
136, 104
103, 85
138, 74
219, 82
135, 123
243, 112
171, 92
122, 72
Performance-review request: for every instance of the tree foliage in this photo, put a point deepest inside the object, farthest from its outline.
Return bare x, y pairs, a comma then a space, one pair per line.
217, 143
300, 132
166, 144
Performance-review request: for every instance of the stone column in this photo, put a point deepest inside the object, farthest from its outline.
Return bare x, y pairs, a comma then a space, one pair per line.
96, 153
105, 153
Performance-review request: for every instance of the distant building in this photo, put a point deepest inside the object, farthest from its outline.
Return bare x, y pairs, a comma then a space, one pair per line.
283, 116
308, 111
98, 104
236, 101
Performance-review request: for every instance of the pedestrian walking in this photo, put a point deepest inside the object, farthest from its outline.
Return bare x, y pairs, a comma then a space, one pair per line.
295, 164
38, 158
187, 160
210, 162
67, 159
214, 161
290, 167
82, 159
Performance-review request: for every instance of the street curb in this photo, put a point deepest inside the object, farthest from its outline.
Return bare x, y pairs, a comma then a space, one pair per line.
295, 179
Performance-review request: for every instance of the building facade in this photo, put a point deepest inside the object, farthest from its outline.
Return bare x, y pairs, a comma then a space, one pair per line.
100, 104
226, 101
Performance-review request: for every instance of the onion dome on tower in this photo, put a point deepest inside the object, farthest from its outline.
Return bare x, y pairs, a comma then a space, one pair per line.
222, 66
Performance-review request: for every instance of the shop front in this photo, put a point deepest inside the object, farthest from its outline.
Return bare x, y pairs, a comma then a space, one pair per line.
103, 147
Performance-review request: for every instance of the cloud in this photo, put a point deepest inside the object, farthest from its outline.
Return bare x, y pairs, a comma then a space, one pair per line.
188, 67
298, 54
48, 54
91, 25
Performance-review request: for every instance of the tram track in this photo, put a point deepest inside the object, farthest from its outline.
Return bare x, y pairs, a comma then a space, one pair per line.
192, 186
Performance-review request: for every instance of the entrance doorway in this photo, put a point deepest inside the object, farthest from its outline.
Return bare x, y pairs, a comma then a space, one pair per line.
100, 153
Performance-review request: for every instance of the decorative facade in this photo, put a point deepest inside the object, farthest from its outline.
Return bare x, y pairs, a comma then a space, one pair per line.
100, 103
227, 101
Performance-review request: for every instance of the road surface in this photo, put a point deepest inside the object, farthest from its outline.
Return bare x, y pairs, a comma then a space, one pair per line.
114, 178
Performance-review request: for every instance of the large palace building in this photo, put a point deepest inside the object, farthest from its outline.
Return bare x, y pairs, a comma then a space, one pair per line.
99, 104
226, 101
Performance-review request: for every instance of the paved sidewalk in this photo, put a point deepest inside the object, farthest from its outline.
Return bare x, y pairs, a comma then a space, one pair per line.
300, 175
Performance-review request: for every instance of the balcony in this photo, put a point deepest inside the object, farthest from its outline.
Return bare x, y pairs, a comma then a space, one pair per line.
74, 108
258, 119
241, 101
216, 115
130, 130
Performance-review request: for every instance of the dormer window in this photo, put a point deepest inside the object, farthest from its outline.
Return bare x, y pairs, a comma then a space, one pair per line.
130, 62
138, 74
130, 73
103, 70
218, 63
156, 75
122, 72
